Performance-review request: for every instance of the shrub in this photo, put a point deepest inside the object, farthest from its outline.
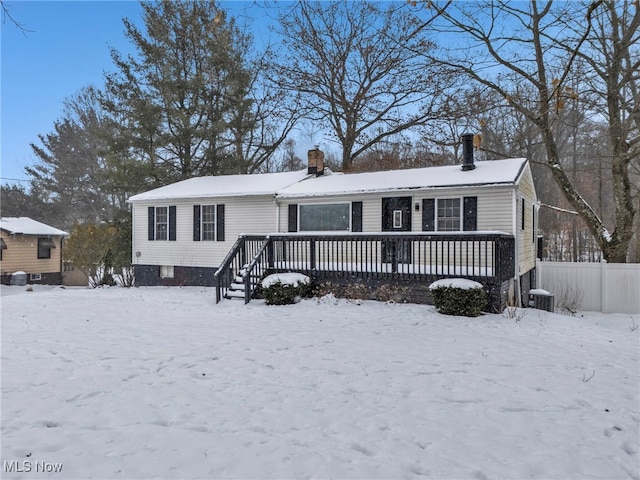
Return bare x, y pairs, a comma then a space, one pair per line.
353, 293
327, 288
459, 297
285, 288
356, 293
391, 293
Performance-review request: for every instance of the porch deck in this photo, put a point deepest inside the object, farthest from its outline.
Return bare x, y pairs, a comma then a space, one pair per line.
413, 259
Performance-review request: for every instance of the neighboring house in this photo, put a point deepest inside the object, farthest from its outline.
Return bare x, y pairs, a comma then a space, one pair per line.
31, 247
478, 220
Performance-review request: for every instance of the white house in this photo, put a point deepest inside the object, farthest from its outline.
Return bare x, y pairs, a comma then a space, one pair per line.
183, 232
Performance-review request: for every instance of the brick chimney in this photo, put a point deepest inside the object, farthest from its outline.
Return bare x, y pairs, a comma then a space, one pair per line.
467, 152
316, 161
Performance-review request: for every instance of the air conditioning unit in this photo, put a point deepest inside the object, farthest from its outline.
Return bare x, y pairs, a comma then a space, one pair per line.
541, 299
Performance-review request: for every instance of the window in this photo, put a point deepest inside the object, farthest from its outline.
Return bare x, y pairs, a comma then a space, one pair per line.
3, 246
448, 214
325, 218
166, 271
35, 277
162, 223
208, 222
397, 219
44, 247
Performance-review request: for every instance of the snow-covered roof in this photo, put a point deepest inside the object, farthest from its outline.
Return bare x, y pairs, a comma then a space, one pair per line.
490, 172
224, 186
301, 184
28, 226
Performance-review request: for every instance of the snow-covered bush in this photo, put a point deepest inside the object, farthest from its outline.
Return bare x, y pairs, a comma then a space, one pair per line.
458, 296
285, 288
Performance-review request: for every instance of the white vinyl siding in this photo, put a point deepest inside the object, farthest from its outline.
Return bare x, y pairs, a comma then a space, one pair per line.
526, 237
495, 210
255, 214
258, 215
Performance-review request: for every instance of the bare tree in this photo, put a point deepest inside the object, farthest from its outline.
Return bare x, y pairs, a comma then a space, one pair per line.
515, 48
354, 64
6, 14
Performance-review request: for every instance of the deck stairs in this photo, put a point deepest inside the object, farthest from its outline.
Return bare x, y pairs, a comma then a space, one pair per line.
237, 288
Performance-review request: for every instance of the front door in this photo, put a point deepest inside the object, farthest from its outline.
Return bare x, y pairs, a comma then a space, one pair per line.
396, 217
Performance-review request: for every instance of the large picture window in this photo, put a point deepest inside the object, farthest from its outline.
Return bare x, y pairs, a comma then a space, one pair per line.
449, 214
333, 217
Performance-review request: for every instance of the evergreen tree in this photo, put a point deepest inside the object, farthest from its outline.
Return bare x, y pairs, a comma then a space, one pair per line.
183, 106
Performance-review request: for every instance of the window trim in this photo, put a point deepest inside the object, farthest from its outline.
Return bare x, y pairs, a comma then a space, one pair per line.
460, 214
349, 216
41, 248
397, 219
152, 223
214, 206
155, 223
167, 271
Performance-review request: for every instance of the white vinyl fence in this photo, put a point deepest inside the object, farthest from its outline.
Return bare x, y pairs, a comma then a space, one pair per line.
600, 287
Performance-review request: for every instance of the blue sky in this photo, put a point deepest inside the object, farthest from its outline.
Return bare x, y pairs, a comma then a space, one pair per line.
66, 49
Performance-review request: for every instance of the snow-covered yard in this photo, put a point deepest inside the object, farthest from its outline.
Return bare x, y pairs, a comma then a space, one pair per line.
162, 383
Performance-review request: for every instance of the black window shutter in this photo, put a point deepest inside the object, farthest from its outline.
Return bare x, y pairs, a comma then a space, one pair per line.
293, 217
220, 222
470, 214
522, 213
172, 223
196, 223
356, 216
152, 223
429, 214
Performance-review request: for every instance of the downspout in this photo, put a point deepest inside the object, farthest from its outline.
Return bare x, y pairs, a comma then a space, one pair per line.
134, 259
516, 260
275, 201
61, 263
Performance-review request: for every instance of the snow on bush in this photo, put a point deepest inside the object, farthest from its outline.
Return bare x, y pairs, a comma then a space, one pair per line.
461, 283
458, 296
285, 288
291, 278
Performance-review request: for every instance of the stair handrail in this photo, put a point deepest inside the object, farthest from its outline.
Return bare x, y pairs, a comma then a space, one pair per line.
246, 276
226, 264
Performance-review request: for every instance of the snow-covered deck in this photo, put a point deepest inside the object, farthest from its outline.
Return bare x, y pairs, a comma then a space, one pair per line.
389, 257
